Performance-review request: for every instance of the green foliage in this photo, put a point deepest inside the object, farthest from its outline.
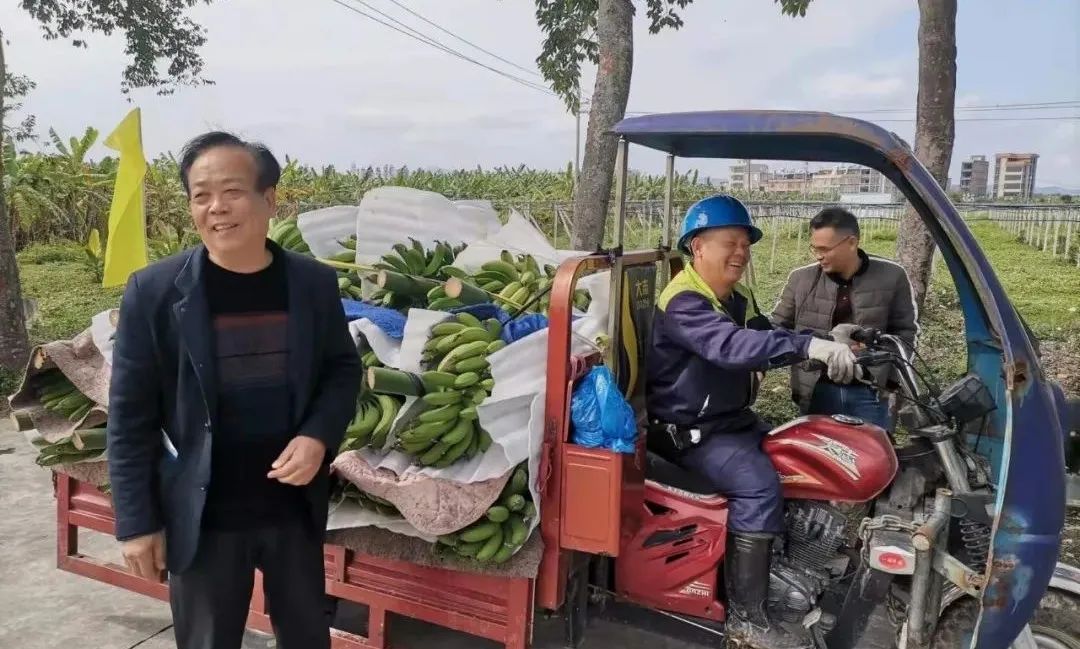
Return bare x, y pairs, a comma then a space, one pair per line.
95, 255
58, 193
570, 39
793, 7
169, 244
16, 88
27, 184
157, 32
49, 253
661, 14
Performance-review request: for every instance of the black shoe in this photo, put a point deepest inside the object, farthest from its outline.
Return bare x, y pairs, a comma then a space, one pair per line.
746, 579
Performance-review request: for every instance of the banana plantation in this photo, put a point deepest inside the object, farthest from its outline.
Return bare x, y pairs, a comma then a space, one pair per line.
61, 194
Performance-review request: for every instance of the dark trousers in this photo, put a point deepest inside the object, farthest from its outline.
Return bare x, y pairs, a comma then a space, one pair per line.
210, 599
735, 465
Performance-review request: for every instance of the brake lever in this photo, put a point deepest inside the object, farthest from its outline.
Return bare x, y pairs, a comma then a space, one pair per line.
871, 358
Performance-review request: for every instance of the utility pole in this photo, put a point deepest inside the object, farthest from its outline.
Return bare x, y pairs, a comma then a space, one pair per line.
806, 182
748, 186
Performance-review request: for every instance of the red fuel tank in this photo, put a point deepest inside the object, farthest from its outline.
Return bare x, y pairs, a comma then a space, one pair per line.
834, 458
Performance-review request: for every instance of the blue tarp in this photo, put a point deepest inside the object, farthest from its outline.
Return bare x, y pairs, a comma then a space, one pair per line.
389, 320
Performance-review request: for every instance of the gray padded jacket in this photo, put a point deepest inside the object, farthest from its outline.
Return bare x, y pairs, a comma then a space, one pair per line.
881, 297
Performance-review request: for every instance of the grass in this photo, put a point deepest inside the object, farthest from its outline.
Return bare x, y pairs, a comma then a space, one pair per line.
58, 278
1053, 310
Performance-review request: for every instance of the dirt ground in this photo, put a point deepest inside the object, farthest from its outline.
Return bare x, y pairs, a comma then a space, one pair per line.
1070, 539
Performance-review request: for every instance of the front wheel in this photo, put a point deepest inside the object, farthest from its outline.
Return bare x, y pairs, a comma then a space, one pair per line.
1055, 625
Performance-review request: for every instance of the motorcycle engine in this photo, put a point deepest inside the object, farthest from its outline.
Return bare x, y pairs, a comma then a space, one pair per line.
816, 531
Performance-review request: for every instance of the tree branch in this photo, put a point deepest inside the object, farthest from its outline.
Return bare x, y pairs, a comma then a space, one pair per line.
157, 32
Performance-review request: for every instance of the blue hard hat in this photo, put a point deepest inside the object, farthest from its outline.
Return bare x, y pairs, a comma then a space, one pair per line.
716, 212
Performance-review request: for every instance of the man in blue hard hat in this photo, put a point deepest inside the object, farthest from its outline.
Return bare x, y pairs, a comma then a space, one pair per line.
710, 342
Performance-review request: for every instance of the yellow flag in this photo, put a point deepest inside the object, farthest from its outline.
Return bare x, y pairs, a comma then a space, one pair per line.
125, 250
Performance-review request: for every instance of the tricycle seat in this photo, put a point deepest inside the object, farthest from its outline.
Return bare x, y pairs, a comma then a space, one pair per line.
669, 474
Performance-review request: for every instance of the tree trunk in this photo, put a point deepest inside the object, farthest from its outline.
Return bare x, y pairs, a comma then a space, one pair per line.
615, 37
934, 130
14, 343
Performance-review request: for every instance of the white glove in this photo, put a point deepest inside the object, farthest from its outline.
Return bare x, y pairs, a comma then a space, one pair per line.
841, 333
837, 357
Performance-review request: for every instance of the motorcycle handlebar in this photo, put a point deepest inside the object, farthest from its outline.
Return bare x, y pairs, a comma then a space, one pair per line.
865, 335
864, 359
863, 362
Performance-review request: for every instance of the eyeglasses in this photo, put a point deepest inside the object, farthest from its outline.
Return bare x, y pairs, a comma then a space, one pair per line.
819, 251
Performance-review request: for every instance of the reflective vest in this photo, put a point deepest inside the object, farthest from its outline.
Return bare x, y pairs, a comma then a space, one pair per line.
689, 280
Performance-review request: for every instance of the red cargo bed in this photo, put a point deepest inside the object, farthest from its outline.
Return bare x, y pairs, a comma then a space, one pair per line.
496, 608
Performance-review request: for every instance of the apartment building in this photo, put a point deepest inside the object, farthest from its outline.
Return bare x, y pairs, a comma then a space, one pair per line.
788, 182
758, 176
1014, 174
849, 179
974, 176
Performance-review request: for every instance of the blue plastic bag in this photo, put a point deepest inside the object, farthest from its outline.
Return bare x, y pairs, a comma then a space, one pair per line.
522, 326
513, 329
600, 415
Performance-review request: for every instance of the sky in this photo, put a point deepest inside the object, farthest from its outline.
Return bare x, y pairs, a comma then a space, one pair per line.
318, 82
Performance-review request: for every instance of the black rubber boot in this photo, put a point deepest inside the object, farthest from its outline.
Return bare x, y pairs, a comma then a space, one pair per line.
746, 580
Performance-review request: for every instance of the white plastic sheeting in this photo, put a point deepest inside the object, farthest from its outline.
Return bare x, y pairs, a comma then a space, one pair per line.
322, 229
389, 215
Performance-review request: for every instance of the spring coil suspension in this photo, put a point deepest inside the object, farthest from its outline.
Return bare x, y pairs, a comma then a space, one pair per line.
975, 538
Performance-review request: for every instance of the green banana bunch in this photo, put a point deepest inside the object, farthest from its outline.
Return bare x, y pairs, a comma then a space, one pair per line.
517, 283
286, 233
504, 527
369, 359
370, 425
349, 285
59, 396
416, 261
459, 380
348, 281
83, 444
349, 254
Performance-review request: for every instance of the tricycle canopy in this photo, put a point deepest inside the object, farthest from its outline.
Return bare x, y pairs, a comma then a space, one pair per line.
1026, 447
770, 135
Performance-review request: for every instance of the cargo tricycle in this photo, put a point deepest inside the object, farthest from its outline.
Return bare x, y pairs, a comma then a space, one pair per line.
948, 539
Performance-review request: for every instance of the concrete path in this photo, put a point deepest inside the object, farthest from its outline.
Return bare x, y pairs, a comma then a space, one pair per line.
44, 608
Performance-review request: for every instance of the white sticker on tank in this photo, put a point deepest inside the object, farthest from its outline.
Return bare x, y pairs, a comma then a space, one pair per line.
844, 455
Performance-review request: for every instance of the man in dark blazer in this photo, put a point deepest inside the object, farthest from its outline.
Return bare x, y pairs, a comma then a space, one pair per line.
233, 379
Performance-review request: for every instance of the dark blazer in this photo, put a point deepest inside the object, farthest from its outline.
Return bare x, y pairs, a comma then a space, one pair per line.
162, 394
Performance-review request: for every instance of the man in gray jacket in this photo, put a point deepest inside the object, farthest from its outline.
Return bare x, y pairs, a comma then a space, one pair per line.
845, 287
